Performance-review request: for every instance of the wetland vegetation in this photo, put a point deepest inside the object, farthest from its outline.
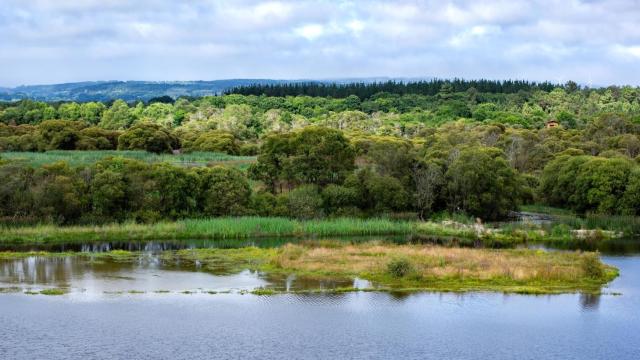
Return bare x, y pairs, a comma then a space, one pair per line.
388, 267
472, 166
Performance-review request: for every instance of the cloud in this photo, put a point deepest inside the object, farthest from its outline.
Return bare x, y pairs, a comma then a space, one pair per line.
471, 36
310, 31
45, 41
627, 52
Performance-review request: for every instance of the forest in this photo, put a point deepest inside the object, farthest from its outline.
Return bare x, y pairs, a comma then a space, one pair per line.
402, 151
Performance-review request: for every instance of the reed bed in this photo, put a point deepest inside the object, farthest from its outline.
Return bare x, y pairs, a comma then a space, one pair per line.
508, 235
213, 228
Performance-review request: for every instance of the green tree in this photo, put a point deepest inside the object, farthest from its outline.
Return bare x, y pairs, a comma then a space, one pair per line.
108, 194
150, 137
59, 134
481, 183
214, 140
223, 191
320, 156
119, 116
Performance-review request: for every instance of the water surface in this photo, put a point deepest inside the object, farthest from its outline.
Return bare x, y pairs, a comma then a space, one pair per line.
231, 324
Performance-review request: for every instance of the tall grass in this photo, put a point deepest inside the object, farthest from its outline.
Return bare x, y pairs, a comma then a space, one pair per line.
214, 228
273, 227
79, 158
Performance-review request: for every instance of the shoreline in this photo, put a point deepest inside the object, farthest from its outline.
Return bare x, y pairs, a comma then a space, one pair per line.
229, 228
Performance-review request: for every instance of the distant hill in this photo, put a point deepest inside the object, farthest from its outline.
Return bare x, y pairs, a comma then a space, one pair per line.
126, 90
145, 90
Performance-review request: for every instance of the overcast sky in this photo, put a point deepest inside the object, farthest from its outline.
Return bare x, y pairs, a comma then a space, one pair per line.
50, 41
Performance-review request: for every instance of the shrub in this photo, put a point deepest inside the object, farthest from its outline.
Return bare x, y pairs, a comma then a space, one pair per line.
216, 141
249, 149
591, 265
224, 191
400, 267
305, 202
150, 137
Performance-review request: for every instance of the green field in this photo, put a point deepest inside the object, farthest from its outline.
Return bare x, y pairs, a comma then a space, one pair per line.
79, 158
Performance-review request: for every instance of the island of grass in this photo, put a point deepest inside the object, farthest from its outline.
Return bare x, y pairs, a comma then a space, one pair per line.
398, 268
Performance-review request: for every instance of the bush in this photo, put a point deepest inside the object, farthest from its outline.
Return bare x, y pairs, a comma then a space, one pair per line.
216, 141
400, 267
305, 202
249, 149
224, 191
263, 203
150, 137
591, 265
59, 134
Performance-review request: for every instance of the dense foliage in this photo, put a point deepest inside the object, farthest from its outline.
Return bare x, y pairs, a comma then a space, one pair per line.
480, 153
367, 90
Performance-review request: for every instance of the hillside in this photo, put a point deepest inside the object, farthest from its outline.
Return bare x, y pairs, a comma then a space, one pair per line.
145, 90
126, 90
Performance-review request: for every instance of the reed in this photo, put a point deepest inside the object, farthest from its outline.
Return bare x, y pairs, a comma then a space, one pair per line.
212, 228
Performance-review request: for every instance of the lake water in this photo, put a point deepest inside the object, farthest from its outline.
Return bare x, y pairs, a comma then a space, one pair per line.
100, 319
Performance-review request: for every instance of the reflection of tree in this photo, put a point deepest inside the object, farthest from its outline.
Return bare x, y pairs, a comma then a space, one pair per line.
589, 301
399, 295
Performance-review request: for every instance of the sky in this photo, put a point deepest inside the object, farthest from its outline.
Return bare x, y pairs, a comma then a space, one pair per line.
52, 41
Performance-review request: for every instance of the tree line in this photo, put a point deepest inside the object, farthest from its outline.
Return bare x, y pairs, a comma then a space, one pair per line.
367, 90
319, 172
405, 115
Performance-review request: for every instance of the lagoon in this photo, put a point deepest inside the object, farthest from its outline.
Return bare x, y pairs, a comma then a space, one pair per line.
352, 325
150, 309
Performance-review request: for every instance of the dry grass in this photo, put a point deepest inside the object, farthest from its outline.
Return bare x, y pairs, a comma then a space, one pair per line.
434, 261
437, 268
406, 267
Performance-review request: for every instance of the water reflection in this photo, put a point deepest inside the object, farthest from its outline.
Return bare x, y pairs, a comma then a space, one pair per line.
146, 273
150, 273
154, 246
620, 246
589, 301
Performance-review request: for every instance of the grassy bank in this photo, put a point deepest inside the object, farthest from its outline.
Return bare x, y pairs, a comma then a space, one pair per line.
215, 228
80, 158
392, 267
446, 232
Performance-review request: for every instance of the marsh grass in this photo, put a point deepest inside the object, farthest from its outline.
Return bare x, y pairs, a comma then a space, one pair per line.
81, 157
253, 227
214, 228
423, 267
